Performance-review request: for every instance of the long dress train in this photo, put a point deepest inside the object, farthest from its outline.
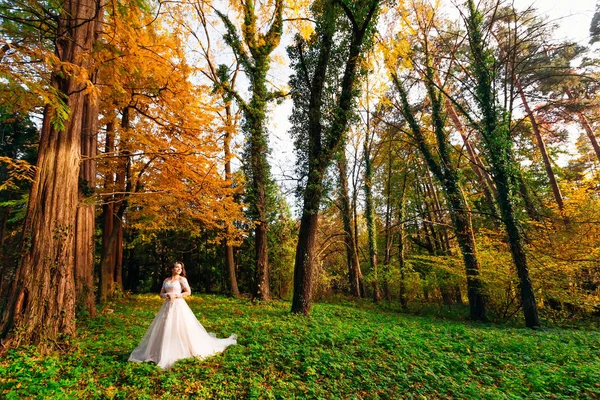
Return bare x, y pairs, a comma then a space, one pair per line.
175, 333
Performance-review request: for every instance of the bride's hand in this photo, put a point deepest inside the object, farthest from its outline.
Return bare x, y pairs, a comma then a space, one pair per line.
172, 296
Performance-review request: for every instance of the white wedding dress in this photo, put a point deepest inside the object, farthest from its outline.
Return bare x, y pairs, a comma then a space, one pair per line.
175, 332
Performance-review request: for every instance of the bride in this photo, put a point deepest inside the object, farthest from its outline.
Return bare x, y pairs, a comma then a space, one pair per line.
175, 332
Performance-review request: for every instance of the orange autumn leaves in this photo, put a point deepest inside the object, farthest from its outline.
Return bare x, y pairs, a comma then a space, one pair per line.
170, 138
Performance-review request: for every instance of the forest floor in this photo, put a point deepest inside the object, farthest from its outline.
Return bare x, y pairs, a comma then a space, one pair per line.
339, 352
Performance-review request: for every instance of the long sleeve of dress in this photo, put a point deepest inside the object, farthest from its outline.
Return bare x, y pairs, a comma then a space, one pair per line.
163, 292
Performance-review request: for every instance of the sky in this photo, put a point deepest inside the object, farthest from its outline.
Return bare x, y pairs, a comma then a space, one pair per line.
572, 16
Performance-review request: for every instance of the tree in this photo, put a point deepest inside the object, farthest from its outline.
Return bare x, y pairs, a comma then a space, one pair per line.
160, 161
253, 54
229, 115
369, 158
324, 142
41, 305
495, 132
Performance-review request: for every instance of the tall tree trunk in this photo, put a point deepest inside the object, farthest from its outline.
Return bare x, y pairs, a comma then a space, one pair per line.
306, 248
322, 152
86, 212
587, 127
111, 253
108, 209
256, 64
370, 217
259, 181
354, 206
85, 224
401, 243
388, 226
351, 250
229, 259
121, 186
42, 302
542, 147
496, 137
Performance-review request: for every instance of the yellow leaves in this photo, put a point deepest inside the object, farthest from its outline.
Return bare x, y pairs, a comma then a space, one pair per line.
296, 13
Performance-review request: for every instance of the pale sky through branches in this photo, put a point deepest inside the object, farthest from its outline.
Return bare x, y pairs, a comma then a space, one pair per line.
573, 18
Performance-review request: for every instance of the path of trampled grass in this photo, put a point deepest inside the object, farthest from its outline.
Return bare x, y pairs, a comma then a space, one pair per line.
339, 352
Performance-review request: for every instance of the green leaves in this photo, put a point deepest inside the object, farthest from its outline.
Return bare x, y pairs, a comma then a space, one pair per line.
341, 351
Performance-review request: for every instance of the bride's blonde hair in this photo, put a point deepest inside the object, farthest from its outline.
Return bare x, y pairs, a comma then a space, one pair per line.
182, 268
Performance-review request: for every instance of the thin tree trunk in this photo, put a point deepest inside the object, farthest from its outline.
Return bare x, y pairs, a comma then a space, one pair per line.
108, 209
118, 278
229, 259
542, 147
388, 226
370, 217
401, 246
527, 197
587, 127
354, 205
351, 250
42, 302
439, 215
485, 180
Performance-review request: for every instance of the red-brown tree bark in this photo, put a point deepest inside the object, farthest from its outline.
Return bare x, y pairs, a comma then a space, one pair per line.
41, 306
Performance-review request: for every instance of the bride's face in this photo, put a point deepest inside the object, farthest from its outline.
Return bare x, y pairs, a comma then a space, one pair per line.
177, 269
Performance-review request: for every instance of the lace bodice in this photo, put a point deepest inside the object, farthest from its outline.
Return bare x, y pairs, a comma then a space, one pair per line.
178, 286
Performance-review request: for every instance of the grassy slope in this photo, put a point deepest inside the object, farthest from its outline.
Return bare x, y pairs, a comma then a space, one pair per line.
339, 352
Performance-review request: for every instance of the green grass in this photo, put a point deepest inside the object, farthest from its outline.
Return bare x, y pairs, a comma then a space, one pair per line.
339, 352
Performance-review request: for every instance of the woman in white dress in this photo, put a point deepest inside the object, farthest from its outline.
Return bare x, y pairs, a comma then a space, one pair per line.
175, 332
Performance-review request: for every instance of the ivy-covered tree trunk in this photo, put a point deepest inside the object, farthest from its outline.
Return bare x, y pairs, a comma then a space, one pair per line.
447, 175
41, 307
259, 174
256, 63
325, 145
496, 138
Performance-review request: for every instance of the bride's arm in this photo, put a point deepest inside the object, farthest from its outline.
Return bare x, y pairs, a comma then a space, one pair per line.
185, 287
163, 292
